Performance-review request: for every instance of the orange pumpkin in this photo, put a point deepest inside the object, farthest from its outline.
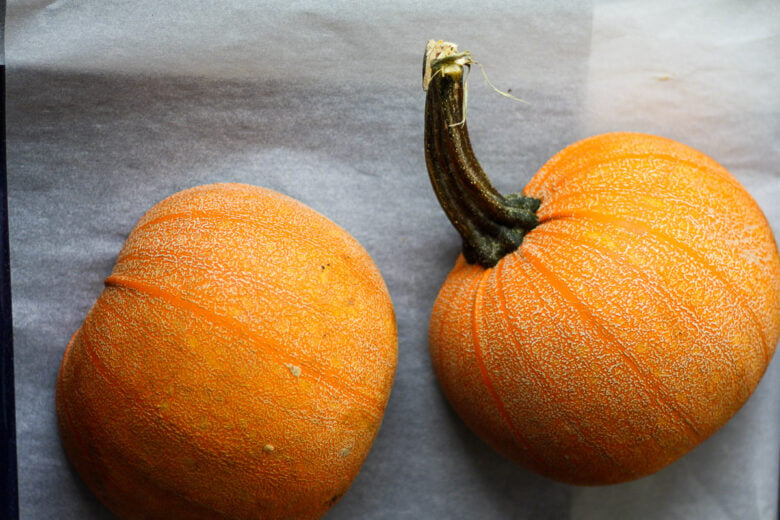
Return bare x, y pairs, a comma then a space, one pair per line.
606, 321
236, 366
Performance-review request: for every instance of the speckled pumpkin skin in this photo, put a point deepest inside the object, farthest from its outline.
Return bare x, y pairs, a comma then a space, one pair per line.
630, 325
236, 366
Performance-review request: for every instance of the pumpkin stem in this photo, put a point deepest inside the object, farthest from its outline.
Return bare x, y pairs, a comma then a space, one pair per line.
491, 225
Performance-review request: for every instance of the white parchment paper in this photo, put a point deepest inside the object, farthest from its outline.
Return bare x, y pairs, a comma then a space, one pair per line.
113, 106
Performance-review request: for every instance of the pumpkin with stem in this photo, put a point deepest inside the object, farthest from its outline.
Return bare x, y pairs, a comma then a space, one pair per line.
609, 318
236, 366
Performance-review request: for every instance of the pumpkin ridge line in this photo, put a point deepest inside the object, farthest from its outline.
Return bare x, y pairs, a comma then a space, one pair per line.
104, 372
570, 420
501, 294
651, 384
264, 283
229, 323
238, 217
199, 361
233, 216
101, 369
225, 459
637, 196
604, 453
630, 224
620, 259
485, 376
589, 165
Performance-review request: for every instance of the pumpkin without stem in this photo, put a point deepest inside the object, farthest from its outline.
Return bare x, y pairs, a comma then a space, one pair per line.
606, 321
236, 366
